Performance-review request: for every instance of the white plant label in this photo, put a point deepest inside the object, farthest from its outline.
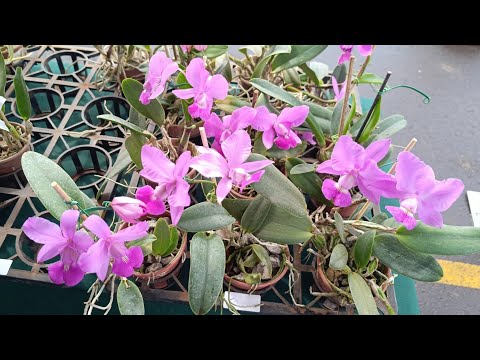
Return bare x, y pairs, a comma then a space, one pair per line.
243, 302
474, 203
5, 266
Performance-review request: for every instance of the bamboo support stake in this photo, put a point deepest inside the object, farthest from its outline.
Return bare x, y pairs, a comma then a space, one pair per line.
66, 198
203, 135
409, 147
348, 86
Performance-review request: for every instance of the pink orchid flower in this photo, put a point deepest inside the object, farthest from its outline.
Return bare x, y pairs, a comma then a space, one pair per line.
308, 137
278, 129
221, 130
188, 48
64, 240
232, 168
364, 50
112, 246
160, 69
357, 167
147, 202
422, 193
205, 88
170, 178
338, 94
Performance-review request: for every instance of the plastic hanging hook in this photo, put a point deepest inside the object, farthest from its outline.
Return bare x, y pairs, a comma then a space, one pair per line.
426, 98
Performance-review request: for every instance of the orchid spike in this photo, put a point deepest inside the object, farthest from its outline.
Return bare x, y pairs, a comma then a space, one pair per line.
357, 167
278, 129
172, 186
112, 246
63, 240
421, 193
160, 69
232, 169
205, 88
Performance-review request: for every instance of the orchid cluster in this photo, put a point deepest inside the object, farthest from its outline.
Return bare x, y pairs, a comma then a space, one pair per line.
414, 182
294, 161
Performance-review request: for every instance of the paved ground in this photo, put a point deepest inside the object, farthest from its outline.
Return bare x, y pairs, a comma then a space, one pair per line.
447, 130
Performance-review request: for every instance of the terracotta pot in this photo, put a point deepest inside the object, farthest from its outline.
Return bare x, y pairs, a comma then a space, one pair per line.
237, 195
176, 131
16, 48
159, 279
263, 286
14, 163
323, 284
133, 73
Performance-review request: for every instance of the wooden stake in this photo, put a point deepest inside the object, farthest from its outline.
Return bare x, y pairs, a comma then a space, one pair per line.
409, 147
66, 198
348, 86
203, 135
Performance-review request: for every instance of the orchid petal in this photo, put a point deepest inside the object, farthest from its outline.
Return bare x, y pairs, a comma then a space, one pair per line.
98, 226
293, 116
214, 126
196, 74
133, 232
73, 275
156, 166
263, 119
402, 216
68, 223
254, 178
125, 268
413, 175
223, 188
96, 259
55, 272
43, 231
217, 87
82, 241
365, 50
210, 164
255, 165
237, 148
182, 165
444, 194
268, 137
377, 150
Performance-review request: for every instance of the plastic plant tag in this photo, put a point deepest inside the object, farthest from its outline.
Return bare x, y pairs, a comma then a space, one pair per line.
5, 266
243, 302
474, 203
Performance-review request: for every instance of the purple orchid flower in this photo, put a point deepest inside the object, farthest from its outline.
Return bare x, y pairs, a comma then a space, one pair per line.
221, 130
112, 246
357, 166
308, 137
278, 129
64, 240
147, 202
204, 89
160, 69
188, 48
232, 168
364, 50
170, 178
338, 94
422, 193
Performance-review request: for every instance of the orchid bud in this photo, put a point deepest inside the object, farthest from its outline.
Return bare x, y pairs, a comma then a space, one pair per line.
129, 210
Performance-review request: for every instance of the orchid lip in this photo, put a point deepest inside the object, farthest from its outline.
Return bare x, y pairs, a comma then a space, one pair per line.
125, 259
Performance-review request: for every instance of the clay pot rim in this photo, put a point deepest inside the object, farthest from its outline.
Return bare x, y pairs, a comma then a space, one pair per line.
320, 277
170, 267
263, 285
24, 149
